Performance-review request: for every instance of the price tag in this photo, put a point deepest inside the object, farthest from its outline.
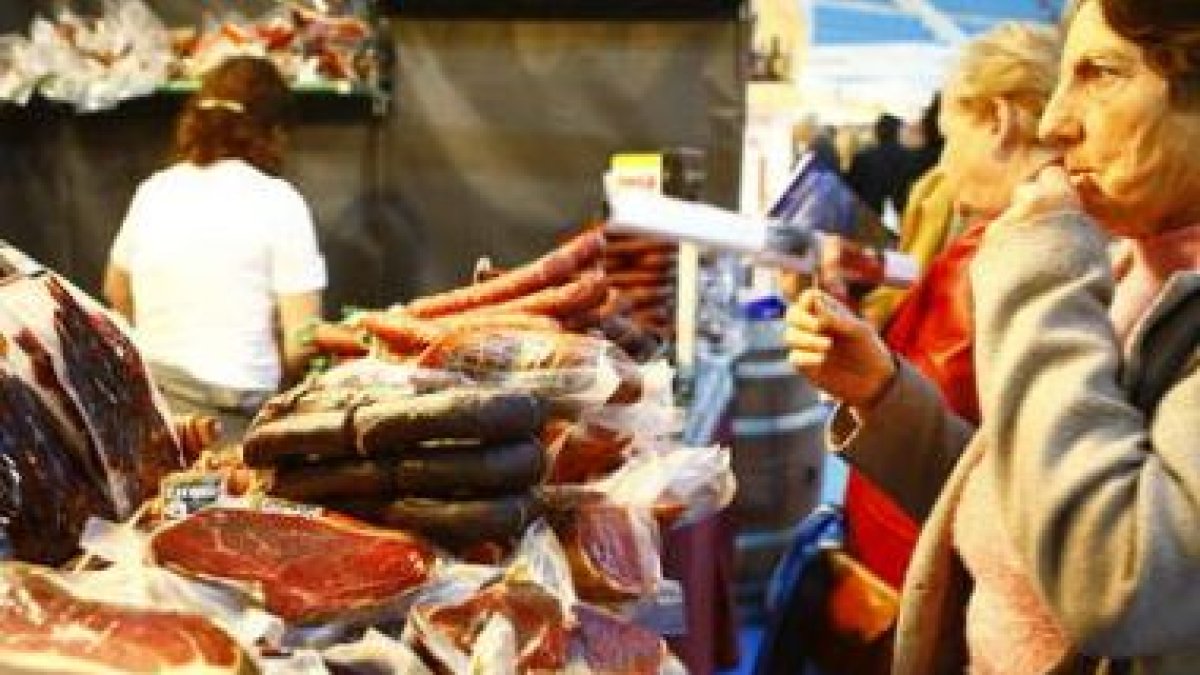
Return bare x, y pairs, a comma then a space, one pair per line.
186, 493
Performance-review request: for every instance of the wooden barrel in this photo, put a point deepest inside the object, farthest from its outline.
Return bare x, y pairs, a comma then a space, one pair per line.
778, 454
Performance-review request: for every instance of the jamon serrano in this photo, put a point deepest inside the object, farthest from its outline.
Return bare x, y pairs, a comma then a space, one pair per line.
552, 269
614, 646
46, 494
535, 615
82, 433
311, 568
583, 452
613, 555
45, 629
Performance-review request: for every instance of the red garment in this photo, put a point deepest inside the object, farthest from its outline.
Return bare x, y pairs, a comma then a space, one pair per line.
933, 328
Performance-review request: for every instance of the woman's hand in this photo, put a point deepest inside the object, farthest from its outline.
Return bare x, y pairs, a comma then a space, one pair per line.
841, 353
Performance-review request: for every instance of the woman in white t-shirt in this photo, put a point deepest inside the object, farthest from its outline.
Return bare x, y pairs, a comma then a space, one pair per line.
216, 264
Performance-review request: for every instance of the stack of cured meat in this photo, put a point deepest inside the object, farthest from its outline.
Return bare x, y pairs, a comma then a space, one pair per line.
455, 464
460, 427
642, 271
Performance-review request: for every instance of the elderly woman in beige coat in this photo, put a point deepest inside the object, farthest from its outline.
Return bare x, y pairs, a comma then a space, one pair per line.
1063, 534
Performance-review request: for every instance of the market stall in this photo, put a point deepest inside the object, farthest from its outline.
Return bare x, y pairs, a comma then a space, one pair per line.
478, 480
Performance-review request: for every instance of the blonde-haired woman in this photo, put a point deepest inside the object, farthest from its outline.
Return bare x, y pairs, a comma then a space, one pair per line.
1070, 524
992, 102
216, 264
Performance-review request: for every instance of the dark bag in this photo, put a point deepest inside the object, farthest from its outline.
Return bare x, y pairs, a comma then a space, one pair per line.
824, 608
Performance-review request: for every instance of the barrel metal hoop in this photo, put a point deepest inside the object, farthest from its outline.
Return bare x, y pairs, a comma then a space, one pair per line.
765, 370
765, 426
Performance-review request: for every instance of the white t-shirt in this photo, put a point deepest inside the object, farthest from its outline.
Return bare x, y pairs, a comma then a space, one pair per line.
207, 250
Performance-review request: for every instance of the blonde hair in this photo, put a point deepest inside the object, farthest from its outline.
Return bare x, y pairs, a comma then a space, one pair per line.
1016, 61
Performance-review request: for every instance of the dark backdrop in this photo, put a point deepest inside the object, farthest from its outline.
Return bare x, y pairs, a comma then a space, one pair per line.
497, 134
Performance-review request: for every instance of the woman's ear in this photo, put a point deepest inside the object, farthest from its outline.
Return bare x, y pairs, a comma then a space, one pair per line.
1007, 124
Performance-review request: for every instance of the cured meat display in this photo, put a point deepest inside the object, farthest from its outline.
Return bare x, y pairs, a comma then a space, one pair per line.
310, 567
80, 427
46, 629
493, 424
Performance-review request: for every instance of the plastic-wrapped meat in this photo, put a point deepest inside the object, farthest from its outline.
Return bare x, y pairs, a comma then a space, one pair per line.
614, 646
393, 425
46, 494
613, 550
473, 470
454, 523
582, 452
45, 629
554, 364
311, 568
535, 615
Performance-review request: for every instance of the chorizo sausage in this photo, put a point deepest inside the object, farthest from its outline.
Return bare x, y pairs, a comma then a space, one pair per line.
554, 268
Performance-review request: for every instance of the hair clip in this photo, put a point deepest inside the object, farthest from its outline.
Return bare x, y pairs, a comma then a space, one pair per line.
221, 104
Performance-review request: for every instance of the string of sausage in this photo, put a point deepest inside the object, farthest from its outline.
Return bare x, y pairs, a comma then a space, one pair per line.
553, 269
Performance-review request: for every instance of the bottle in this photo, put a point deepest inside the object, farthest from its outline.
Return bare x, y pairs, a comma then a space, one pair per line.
777, 61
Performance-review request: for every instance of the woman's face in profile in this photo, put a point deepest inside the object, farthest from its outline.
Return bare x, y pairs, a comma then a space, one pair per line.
1134, 159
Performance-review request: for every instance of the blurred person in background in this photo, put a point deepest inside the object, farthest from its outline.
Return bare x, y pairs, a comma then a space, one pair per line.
879, 173
809, 136
1061, 536
216, 264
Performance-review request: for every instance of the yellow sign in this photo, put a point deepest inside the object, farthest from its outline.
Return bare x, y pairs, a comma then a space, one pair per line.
637, 170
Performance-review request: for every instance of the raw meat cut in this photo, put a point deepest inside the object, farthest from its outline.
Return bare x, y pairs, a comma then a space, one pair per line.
45, 629
535, 615
311, 568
